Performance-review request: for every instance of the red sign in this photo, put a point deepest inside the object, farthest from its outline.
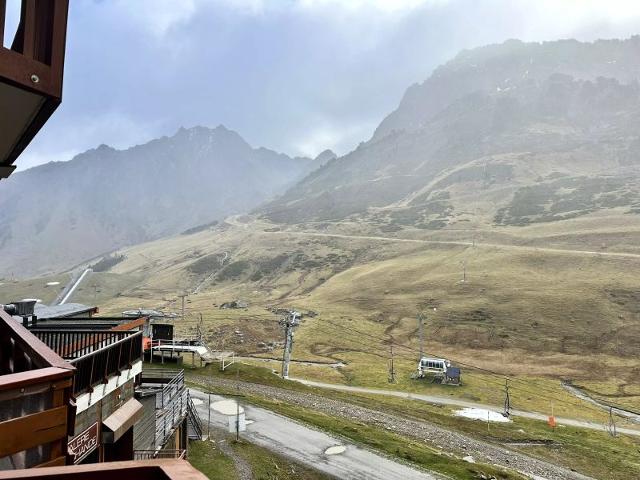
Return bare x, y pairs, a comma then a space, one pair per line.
83, 444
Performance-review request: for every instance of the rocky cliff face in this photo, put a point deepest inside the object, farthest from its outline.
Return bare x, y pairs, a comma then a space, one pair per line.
59, 214
507, 134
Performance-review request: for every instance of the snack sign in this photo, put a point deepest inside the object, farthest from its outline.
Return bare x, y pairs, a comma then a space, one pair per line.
83, 444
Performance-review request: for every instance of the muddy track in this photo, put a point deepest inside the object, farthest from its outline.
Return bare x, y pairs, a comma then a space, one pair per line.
583, 394
436, 436
243, 468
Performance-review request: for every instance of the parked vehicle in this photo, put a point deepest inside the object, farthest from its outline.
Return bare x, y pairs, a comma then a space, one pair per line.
439, 370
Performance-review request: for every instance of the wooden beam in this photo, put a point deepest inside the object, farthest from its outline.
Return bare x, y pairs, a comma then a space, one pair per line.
47, 385
29, 18
39, 376
138, 322
31, 344
58, 43
3, 14
58, 448
17, 69
56, 462
40, 428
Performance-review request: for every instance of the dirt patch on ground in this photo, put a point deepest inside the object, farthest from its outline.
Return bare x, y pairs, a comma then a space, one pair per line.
629, 299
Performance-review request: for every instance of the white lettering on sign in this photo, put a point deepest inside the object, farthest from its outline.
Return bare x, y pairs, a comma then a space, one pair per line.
83, 444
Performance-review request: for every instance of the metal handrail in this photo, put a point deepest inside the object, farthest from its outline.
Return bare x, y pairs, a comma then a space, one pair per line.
194, 419
165, 453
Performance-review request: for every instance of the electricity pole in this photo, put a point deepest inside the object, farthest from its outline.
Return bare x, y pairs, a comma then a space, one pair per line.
182, 297
392, 371
209, 419
238, 402
507, 399
238, 391
421, 333
288, 323
612, 424
421, 319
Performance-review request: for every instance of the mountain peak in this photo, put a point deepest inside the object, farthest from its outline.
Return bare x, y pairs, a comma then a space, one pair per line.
507, 65
325, 156
119, 197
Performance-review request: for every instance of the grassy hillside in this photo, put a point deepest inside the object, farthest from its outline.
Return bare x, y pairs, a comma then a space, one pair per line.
541, 313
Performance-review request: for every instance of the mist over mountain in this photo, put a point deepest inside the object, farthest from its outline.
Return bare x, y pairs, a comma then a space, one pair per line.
503, 135
508, 134
56, 215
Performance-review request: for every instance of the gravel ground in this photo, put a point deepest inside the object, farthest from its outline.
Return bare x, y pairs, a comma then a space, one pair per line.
243, 469
439, 437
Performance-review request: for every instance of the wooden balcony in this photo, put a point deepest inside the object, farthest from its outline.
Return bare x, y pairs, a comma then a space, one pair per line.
36, 411
96, 355
31, 72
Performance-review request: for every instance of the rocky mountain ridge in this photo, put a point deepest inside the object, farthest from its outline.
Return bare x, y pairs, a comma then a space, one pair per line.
56, 215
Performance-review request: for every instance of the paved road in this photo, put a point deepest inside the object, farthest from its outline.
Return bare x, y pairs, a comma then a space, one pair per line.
307, 446
463, 403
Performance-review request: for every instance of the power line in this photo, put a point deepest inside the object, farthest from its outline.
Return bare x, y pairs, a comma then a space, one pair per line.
484, 370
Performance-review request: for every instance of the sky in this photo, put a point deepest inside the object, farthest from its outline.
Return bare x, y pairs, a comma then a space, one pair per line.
296, 76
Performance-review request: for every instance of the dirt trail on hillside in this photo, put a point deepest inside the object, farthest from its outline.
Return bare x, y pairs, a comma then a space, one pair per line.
232, 221
466, 244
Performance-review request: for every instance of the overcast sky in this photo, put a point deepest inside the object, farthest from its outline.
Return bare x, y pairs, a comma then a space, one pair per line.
294, 76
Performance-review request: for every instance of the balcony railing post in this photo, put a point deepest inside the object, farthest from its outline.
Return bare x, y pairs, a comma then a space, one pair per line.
93, 360
130, 352
106, 367
119, 356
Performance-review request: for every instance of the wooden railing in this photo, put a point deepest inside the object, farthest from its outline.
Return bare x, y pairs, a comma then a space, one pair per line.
36, 412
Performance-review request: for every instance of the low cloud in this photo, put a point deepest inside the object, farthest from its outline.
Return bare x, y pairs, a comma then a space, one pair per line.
295, 76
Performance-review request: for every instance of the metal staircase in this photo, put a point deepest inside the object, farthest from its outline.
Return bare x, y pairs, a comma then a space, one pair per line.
194, 424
